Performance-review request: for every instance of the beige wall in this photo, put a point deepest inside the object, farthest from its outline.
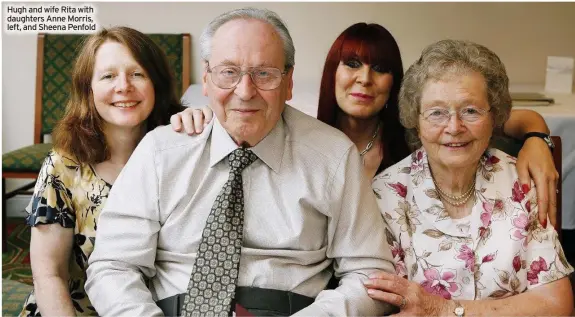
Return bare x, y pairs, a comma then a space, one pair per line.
523, 34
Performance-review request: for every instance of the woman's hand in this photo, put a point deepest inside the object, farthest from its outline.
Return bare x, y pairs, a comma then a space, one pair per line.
535, 161
193, 120
410, 297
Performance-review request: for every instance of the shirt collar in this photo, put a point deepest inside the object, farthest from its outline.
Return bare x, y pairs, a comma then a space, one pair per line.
221, 144
270, 150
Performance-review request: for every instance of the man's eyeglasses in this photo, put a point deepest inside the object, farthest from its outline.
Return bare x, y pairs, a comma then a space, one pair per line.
440, 116
228, 77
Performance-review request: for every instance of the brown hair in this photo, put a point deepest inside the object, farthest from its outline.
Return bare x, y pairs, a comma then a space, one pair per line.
371, 44
80, 132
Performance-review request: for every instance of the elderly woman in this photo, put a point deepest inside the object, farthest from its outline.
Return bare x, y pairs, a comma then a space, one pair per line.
463, 232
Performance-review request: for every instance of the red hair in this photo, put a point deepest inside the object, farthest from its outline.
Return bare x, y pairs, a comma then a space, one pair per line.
371, 44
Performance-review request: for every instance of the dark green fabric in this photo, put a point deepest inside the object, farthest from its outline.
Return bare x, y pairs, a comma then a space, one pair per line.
172, 46
59, 55
27, 159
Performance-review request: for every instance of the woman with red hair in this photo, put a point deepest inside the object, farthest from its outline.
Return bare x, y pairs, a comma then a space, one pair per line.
359, 90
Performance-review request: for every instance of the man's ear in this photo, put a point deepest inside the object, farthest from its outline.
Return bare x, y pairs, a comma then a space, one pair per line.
289, 79
205, 80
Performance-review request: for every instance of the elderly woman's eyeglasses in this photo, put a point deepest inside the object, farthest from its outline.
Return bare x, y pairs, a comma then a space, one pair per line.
228, 76
440, 116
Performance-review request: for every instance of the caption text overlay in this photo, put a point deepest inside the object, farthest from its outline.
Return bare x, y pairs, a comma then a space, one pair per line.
49, 18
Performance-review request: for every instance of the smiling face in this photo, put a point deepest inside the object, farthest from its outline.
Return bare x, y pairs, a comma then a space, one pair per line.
361, 90
455, 144
122, 91
247, 113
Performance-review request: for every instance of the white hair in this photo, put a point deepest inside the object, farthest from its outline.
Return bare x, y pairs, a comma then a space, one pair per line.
264, 15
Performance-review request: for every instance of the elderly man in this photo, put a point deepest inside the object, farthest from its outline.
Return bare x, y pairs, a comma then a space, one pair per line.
249, 214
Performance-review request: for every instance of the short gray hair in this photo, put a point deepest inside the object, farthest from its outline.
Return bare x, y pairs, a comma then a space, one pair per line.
264, 15
442, 59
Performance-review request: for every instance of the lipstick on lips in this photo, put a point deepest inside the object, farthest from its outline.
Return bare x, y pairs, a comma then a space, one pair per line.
361, 97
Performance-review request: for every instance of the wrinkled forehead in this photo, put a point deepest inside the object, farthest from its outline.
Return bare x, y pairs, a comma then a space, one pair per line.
447, 71
454, 89
247, 42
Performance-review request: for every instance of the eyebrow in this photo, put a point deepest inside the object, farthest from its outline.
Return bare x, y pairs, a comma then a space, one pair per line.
442, 103
115, 68
469, 101
434, 103
228, 62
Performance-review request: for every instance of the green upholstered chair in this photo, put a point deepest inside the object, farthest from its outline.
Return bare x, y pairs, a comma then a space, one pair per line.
56, 54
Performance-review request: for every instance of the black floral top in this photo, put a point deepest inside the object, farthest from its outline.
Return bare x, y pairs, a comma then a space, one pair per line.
72, 195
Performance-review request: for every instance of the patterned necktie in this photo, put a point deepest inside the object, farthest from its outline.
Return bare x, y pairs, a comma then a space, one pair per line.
213, 281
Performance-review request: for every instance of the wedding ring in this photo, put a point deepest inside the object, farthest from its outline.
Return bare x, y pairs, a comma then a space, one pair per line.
403, 303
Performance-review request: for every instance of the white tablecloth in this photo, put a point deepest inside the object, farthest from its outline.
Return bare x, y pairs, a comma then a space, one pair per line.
560, 118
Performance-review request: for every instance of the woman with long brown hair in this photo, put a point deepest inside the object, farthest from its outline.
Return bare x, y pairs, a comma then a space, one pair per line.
122, 87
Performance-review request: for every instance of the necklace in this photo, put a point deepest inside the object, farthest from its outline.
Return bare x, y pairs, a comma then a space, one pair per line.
370, 144
455, 200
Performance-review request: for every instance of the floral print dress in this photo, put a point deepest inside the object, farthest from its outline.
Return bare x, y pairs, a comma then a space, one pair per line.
71, 195
499, 250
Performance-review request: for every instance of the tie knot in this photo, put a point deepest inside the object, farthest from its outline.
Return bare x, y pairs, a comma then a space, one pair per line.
241, 158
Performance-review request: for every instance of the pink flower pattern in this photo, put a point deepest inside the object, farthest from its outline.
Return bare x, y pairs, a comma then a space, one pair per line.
537, 266
492, 160
484, 229
468, 256
417, 161
400, 268
521, 226
517, 192
488, 258
498, 204
516, 263
440, 283
399, 188
397, 251
500, 255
